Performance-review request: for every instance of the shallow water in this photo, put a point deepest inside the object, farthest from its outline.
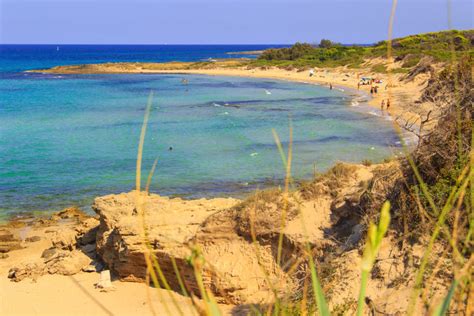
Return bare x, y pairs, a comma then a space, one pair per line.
66, 139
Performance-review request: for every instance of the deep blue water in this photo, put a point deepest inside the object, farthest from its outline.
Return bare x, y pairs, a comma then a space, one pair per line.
65, 139
14, 58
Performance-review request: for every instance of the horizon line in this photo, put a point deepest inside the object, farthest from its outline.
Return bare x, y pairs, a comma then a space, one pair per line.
165, 44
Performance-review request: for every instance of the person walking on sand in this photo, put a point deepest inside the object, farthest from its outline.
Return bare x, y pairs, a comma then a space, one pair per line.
330, 86
388, 103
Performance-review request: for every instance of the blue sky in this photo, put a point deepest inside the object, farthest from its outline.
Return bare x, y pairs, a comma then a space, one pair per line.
221, 21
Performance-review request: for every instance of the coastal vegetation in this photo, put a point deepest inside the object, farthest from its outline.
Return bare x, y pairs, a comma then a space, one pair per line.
410, 50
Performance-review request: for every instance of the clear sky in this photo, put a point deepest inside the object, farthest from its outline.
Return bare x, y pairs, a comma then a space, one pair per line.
221, 21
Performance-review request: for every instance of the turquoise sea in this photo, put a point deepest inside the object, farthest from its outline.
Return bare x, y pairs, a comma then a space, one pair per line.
65, 139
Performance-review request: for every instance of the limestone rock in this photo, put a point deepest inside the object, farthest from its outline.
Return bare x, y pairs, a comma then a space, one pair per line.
87, 231
177, 230
69, 213
8, 241
64, 239
89, 249
70, 264
54, 262
49, 253
33, 239
23, 271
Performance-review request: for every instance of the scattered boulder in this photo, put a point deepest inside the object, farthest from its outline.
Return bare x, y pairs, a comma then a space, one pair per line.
89, 268
49, 253
64, 239
23, 271
33, 239
8, 241
69, 213
55, 262
73, 248
69, 264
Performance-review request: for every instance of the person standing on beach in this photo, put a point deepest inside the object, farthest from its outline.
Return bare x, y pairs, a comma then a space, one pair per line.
330, 86
388, 103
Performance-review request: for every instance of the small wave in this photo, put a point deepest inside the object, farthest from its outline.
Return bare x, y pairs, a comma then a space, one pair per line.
340, 89
355, 103
267, 92
253, 154
216, 104
374, 113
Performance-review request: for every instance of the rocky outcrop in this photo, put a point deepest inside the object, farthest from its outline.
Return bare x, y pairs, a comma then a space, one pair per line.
238, 241
60, 262
72, 235
170, 225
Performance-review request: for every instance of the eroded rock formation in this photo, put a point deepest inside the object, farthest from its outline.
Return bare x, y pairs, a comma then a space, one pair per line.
238, 240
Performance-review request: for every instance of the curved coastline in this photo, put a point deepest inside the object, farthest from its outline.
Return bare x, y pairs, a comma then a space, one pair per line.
341, 79
402, 94
245, 188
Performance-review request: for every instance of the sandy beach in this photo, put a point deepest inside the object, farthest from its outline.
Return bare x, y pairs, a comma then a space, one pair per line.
73, 291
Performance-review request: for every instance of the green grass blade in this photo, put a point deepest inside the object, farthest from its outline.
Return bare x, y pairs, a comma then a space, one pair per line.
375, 235
443, 307
318, 291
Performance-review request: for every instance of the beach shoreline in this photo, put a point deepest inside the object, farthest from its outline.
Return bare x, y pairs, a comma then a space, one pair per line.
402, 93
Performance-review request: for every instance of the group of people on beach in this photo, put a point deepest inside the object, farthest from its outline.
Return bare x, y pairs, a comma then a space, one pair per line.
386, 105
374, 90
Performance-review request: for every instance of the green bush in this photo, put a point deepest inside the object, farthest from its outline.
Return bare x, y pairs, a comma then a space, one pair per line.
330, 54
379, 68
